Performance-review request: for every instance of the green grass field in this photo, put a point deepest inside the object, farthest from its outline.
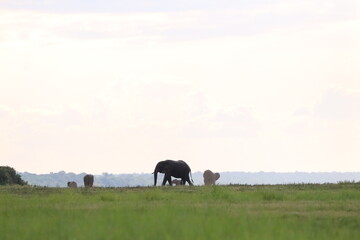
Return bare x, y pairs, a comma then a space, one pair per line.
303, 211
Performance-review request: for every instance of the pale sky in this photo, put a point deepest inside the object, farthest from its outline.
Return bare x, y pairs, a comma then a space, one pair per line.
116, 86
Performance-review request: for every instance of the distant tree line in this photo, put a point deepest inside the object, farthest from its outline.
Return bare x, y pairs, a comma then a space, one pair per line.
60, 179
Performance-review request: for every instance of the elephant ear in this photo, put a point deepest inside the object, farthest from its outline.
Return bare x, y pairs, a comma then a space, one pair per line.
217, 176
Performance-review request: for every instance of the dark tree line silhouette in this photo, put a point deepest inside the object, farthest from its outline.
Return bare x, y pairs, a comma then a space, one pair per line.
8, 176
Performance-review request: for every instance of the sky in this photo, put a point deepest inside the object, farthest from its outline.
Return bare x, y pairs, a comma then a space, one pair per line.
116, 86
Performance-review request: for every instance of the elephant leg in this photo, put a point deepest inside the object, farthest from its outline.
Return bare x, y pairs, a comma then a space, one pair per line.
187, 179
167, 178
164, 181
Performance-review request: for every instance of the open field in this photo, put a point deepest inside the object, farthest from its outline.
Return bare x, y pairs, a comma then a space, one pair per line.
303, 211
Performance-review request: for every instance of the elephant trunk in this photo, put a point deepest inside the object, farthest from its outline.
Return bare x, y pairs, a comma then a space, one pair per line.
155, 177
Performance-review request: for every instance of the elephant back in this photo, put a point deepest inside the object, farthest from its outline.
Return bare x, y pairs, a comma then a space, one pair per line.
72, 184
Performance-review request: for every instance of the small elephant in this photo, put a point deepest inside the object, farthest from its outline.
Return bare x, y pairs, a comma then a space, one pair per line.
72, 184
210, 177
176, 182
88, 180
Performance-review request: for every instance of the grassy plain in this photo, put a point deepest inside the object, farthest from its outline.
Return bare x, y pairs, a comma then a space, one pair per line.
301, 211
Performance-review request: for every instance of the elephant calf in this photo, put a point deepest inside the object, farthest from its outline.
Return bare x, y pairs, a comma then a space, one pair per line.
176, 182
88, 180
72, 184
210, 177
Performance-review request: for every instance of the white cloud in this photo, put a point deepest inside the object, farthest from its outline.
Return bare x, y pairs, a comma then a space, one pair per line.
158, 103
236, 122
302, 111
43, 29
5, 112
26, 27
339, 104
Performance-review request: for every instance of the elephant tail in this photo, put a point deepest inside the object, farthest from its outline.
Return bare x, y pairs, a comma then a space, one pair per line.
191, 178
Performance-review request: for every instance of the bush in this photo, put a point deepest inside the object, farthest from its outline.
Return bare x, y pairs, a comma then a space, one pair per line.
8, 175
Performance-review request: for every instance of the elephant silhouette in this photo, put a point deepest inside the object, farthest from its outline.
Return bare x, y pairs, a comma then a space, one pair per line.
88, 180
172, 168
72, 184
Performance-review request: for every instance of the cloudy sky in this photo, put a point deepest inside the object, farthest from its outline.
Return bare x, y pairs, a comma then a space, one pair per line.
116, 86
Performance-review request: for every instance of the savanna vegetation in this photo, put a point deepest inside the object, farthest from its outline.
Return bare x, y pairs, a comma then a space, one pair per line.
301, 211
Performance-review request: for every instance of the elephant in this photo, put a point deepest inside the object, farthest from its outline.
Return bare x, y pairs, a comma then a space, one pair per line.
176, 182
210, 177
88, 180
172, 168
72, 184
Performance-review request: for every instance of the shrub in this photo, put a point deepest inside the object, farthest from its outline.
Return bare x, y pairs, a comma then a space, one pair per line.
8, 176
